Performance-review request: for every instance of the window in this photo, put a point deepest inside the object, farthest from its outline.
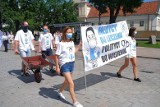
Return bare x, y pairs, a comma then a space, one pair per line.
141, 23
131, 23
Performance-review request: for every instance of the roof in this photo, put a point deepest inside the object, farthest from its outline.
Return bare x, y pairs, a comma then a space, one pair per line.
146, 8
72, 24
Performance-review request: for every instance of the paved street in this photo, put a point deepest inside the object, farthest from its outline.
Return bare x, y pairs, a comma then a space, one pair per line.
104, 89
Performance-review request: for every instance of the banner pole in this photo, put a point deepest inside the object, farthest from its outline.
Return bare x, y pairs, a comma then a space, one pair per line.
85, 79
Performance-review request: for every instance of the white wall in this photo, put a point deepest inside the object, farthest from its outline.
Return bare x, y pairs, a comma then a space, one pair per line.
151, 19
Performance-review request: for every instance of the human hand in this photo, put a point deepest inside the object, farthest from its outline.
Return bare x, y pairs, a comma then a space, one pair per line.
80, 43
16, 51
39, 51
58, 70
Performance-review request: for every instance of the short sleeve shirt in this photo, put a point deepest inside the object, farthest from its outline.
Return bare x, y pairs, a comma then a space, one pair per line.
46, 41
66, 52
25, 40
132, 52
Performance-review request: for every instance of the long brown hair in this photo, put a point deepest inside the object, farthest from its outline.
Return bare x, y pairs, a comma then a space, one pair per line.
131, 31
64, 38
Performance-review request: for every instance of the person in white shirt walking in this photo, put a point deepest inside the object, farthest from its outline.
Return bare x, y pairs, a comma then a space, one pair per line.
131, 56
24, 43
11, 40
46, 43
5, 41
57, 37
65, 57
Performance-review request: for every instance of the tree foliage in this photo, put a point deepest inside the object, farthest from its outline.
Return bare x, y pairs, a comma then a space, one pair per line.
37, 12
114, 7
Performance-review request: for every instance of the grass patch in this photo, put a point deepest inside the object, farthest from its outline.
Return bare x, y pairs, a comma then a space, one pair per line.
147, 44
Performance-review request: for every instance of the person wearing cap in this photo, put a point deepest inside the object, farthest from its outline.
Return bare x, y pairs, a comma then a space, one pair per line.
24, 43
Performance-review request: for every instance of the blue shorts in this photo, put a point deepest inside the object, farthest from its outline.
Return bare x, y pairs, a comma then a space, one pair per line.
48, 52
26, 53
67, 67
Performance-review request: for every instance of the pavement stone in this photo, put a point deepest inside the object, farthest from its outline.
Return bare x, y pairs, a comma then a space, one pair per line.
104, 89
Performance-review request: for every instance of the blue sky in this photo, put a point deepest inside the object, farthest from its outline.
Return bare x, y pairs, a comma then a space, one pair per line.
148, 0
143, 0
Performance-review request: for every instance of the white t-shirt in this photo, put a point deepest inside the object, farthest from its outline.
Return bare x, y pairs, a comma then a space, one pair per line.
132, 51
11, 38
4, 37
25, 40
57, 37
66, 52
46, 41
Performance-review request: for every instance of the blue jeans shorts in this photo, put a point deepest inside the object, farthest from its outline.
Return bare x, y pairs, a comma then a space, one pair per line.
48, 52
67, 67
26, 53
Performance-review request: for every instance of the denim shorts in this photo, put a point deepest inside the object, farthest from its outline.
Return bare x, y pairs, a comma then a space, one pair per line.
48, 52
67, 67
26, 53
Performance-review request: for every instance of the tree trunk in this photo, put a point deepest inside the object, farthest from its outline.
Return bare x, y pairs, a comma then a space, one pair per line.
112, 18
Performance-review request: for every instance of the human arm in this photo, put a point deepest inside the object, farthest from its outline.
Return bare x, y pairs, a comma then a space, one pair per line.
16, 44
32, 42
57, 65
39, 46
58, 53
78, 47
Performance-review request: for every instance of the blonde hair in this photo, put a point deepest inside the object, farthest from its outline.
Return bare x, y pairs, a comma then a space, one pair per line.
64, 38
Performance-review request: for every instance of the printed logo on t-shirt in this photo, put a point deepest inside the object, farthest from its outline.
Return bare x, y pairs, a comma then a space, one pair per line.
47, 42
71, 53
26, 40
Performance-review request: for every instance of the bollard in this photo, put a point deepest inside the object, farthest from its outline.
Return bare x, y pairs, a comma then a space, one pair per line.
152, 39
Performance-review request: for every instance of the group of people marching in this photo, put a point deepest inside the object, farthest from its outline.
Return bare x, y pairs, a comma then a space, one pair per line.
65, 50
7, 39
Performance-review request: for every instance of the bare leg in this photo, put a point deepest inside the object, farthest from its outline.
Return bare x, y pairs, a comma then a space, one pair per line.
23, 67
68, 77
64, 85
134, 65
126, 63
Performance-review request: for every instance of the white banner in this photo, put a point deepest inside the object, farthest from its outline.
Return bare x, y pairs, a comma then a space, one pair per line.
103, 44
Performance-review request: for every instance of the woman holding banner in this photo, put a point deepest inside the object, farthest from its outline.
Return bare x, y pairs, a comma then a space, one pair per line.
65, 57
131, 56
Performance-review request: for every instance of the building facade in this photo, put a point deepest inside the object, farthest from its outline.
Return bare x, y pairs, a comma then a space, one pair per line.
146, 17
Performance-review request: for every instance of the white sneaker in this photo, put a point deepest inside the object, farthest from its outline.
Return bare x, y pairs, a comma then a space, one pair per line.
61, 95
77, 104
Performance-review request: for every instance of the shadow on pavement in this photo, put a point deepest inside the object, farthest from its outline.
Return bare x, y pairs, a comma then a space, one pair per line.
51, 93
25, 79
147, 71
108, 74
49, 73
91, 79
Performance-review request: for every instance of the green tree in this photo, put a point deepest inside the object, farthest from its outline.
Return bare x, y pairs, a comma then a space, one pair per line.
100, 5
37, 12
114, 6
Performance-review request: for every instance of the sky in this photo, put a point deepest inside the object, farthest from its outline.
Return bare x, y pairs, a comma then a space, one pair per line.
148, 0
